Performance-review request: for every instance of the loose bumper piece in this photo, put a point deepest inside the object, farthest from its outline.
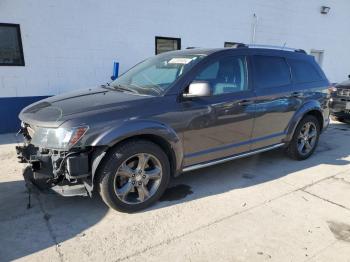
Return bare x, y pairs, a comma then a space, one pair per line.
64, 173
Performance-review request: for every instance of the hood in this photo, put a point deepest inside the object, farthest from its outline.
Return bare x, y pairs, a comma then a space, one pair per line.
345, 84
53, 111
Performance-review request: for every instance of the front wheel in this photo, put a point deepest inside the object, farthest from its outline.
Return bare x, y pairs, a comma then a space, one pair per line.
305, 138
134, 175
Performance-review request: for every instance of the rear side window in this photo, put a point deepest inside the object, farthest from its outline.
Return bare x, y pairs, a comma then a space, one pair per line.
304, 71
271, 71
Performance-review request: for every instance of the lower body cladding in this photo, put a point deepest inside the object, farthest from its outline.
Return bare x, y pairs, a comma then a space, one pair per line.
66, 173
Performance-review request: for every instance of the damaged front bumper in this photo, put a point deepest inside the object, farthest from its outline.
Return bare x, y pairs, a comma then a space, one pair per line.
66, 173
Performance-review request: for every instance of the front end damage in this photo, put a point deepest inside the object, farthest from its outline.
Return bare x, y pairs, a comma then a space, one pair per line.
66, 172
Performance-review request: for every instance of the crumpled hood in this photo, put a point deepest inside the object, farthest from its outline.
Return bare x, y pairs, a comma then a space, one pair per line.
53, 111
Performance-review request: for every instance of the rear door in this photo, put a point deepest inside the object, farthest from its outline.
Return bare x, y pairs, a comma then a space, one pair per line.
220, 125
274, 104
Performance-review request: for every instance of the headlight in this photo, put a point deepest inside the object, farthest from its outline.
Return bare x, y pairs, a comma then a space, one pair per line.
58, 138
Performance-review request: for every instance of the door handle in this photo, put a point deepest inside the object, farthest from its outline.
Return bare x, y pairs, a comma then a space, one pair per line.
297, 94
245, 102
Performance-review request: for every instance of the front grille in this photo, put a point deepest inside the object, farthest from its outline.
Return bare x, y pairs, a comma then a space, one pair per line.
344, 92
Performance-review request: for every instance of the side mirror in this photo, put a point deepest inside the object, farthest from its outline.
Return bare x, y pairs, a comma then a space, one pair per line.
198, 89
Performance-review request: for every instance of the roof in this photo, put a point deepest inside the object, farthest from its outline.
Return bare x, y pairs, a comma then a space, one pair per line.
209, 51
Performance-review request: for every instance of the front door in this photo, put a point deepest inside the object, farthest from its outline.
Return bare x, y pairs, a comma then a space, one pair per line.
219, 125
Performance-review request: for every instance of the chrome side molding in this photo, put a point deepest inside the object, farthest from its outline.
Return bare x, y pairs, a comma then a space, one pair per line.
223, 160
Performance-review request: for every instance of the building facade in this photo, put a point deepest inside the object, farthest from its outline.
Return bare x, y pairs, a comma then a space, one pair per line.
48, 47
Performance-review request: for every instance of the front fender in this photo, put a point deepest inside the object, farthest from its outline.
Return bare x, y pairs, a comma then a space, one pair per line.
305, 109
136, 128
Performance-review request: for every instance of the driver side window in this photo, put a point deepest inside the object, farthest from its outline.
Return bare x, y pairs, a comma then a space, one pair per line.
226, 75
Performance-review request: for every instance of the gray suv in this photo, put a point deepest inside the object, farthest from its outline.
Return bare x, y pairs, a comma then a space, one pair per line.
172, 113
340, 101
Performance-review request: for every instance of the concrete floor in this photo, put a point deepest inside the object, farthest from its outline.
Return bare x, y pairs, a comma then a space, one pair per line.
263, 208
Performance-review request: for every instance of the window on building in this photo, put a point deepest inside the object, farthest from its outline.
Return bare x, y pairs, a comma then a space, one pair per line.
271, 71
232, 44
166, 44
304, 72
226, 75
318, 54
11, 51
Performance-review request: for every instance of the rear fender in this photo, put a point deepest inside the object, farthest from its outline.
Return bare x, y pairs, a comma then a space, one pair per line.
298, 116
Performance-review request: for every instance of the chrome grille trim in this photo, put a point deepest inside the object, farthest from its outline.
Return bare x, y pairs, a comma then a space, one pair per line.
344, 92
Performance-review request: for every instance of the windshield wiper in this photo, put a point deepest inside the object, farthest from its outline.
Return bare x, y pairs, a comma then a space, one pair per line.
155, 89
124, 88
119, 88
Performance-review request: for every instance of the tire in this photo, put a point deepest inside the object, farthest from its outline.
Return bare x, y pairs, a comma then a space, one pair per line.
296, 143
121, 169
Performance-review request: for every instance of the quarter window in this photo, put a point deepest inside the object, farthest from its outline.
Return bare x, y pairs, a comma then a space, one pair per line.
166, 44
226, 75
271, 71
11, 52
304, 72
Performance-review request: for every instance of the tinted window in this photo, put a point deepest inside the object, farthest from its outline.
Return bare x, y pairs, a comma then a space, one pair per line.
226, 75
304, 71
11, 52
271, 71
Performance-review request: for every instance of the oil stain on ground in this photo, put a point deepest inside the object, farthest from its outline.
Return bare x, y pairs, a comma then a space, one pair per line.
176, 193
341, 231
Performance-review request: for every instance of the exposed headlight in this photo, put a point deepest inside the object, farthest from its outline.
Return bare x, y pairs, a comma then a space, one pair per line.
58, 138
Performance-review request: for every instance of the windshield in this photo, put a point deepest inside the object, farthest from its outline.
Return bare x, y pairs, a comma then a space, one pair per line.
155, 75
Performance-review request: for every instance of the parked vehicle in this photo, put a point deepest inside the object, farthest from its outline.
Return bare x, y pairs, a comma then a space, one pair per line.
173, 113
340, 101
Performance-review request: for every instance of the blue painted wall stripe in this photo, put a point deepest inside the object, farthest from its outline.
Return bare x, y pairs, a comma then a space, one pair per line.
9, 110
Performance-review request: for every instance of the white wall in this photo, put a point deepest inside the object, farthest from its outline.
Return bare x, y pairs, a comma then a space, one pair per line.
72, 44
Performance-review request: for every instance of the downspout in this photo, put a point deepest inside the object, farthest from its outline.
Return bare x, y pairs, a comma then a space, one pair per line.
255, 25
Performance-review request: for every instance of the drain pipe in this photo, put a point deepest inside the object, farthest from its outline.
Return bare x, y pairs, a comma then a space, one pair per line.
255, 25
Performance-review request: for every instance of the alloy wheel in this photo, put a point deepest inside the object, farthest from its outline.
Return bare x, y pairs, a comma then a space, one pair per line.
138, 178
307, 138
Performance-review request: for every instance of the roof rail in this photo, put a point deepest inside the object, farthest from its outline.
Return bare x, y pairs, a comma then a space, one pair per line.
282, 48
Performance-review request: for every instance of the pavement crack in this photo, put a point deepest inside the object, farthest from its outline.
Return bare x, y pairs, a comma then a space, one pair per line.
167, 241
47, 217
311, 258
341, 179
326, 200
323, 179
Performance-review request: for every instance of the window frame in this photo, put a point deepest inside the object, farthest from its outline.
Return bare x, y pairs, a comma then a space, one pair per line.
19, 39
166, 38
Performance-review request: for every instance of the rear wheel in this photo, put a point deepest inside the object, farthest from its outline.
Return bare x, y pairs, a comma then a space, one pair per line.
134, 175
305, 138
